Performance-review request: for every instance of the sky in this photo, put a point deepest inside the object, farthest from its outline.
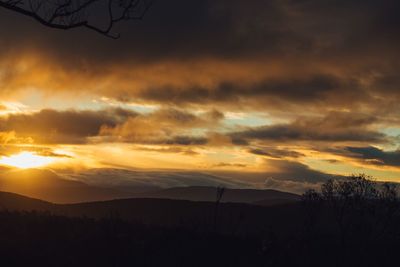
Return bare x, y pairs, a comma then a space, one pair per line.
288, 91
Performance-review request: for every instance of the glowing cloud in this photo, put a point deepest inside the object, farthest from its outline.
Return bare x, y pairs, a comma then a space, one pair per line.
25, 160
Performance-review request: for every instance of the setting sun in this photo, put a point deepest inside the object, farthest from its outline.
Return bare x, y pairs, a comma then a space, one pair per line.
25, 160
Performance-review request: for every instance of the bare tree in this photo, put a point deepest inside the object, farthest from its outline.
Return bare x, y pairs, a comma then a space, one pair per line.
97, 15
363, 209
220, 194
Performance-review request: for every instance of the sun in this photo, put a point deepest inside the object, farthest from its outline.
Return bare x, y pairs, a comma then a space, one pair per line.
26, 160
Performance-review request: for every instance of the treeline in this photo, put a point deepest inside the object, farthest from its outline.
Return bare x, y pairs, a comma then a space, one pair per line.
353, 222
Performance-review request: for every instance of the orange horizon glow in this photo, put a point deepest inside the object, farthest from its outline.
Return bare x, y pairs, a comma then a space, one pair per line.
26, 160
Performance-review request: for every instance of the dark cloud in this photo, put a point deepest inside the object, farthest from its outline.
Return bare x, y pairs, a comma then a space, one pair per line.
275, 153
171, 28
376, 156
227, 28
225, 164
171, 149
184, 118
71, 126
334, 127
185, 140
308, 89
296, 171
164, 126
332, 161
309, 54
176, 116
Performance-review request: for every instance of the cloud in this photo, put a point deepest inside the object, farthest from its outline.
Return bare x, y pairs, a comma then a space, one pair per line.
267, 54
322, 74
173, 28
7, 136
376, 156
225, 164
173, 150
295, 171
60, 127
154, 178
334, 127
164, 126
291, 186
293, 177
226, 28
275, 153
301, 90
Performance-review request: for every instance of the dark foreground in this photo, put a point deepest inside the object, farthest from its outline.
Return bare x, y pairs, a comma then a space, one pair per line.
348, 224
42, 239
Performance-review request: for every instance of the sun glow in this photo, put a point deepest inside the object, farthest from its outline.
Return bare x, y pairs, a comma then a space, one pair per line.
25, 160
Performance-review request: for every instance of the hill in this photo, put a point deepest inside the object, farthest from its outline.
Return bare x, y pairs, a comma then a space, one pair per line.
204, 193
232, 217
47, 185
12, 201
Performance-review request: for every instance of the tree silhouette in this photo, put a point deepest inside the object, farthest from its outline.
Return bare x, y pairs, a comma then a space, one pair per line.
97, 15
219, 195
361, 209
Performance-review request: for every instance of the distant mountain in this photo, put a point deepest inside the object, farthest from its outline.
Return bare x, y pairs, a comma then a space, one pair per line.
47, 185
12, 201
232, 217
204, 193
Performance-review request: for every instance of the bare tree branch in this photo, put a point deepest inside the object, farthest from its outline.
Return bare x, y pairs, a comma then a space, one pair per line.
70, 14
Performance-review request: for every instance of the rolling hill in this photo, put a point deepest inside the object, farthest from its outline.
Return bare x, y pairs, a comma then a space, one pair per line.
15, 202
46, 185
204, 193
232, 217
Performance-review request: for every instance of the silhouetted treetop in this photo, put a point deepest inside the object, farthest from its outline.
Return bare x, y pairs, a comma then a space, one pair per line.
97, 15
356, 188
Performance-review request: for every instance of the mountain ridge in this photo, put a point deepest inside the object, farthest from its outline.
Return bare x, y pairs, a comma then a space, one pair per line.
234, 195
48, 186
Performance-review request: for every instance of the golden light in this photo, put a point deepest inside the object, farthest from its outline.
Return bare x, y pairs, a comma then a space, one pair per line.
25, 160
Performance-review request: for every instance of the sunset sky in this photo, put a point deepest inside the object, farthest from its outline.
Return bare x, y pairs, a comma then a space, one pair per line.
264, 93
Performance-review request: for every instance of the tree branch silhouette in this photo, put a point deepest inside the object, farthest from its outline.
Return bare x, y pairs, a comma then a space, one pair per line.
70, 14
